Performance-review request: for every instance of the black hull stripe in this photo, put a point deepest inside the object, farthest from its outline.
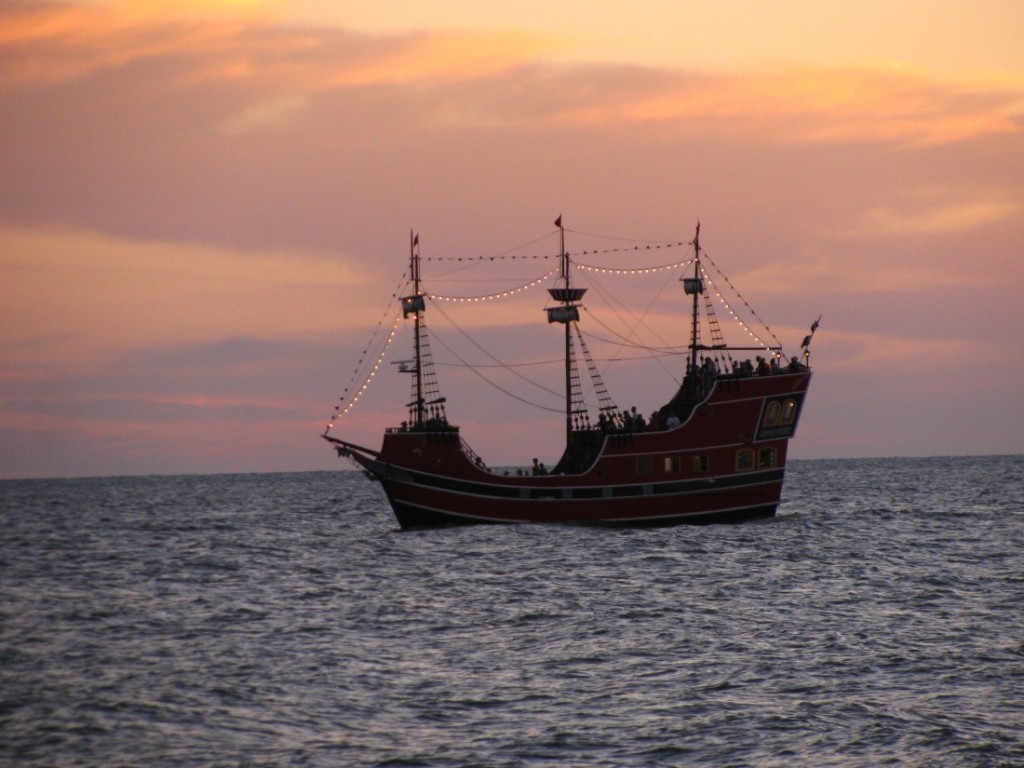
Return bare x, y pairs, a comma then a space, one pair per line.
419, 516
578, 493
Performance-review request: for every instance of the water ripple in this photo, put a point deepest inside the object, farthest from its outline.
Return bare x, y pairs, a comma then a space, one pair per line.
282, 619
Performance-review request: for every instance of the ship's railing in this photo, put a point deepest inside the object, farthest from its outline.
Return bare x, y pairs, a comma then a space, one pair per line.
437, 426
471, 454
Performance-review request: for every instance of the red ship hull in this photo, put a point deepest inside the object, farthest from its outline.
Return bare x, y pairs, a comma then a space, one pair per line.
724, 463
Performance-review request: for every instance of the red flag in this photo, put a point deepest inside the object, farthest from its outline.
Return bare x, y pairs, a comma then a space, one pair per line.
416, 240
558, 221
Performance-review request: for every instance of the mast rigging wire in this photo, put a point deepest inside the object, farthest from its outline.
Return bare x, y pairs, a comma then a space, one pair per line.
501, 389
501, 363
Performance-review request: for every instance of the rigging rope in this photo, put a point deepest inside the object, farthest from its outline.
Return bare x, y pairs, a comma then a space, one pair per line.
490, 355
622, 341
343, 408
740, 296
735, 316
338, 409
638, 321
496, 386
509, 255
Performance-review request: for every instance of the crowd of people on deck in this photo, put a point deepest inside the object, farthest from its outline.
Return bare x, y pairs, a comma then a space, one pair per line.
704, 376
763, 367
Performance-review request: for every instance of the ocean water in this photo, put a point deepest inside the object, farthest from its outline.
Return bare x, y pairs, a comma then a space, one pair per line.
257, 620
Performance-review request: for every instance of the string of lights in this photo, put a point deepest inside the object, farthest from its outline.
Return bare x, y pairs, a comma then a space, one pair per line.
635, 248
500, 257
632, 270
344, 407
535, 256
745, 303
398, 291
493, 296
725, 303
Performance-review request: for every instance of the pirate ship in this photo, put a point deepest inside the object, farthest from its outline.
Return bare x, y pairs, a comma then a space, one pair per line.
714, 451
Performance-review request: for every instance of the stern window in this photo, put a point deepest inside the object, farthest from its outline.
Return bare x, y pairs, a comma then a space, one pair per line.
788, 412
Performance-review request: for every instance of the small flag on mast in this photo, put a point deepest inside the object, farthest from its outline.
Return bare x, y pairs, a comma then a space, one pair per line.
807, 339
558, 221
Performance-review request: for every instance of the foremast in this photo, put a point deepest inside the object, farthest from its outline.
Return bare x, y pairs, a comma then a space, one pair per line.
694, 286
566, 314
424, 384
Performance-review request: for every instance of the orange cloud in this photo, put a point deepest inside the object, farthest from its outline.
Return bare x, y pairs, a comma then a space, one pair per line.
239, 40
246, 42
821, 105
447, 57
44, 44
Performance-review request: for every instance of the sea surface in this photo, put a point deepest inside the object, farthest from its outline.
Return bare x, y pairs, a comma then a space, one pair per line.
283, 620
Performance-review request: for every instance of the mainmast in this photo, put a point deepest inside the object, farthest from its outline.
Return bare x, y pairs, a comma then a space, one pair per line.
566, 314
414, 305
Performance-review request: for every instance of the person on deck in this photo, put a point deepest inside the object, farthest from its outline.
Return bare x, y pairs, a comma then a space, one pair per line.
639, 425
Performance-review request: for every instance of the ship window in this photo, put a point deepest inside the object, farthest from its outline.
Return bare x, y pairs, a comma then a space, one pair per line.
772, 413
700, 463
766, 457
744, 460
671, 465
644, 465
788, 412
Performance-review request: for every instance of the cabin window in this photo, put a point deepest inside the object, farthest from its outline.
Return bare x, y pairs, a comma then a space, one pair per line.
788, 412
644, 465
671, 465
766, 458
773, 413
744, 460
700, 464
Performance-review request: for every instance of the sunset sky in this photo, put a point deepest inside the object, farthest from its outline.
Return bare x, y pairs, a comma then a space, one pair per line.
205, 208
